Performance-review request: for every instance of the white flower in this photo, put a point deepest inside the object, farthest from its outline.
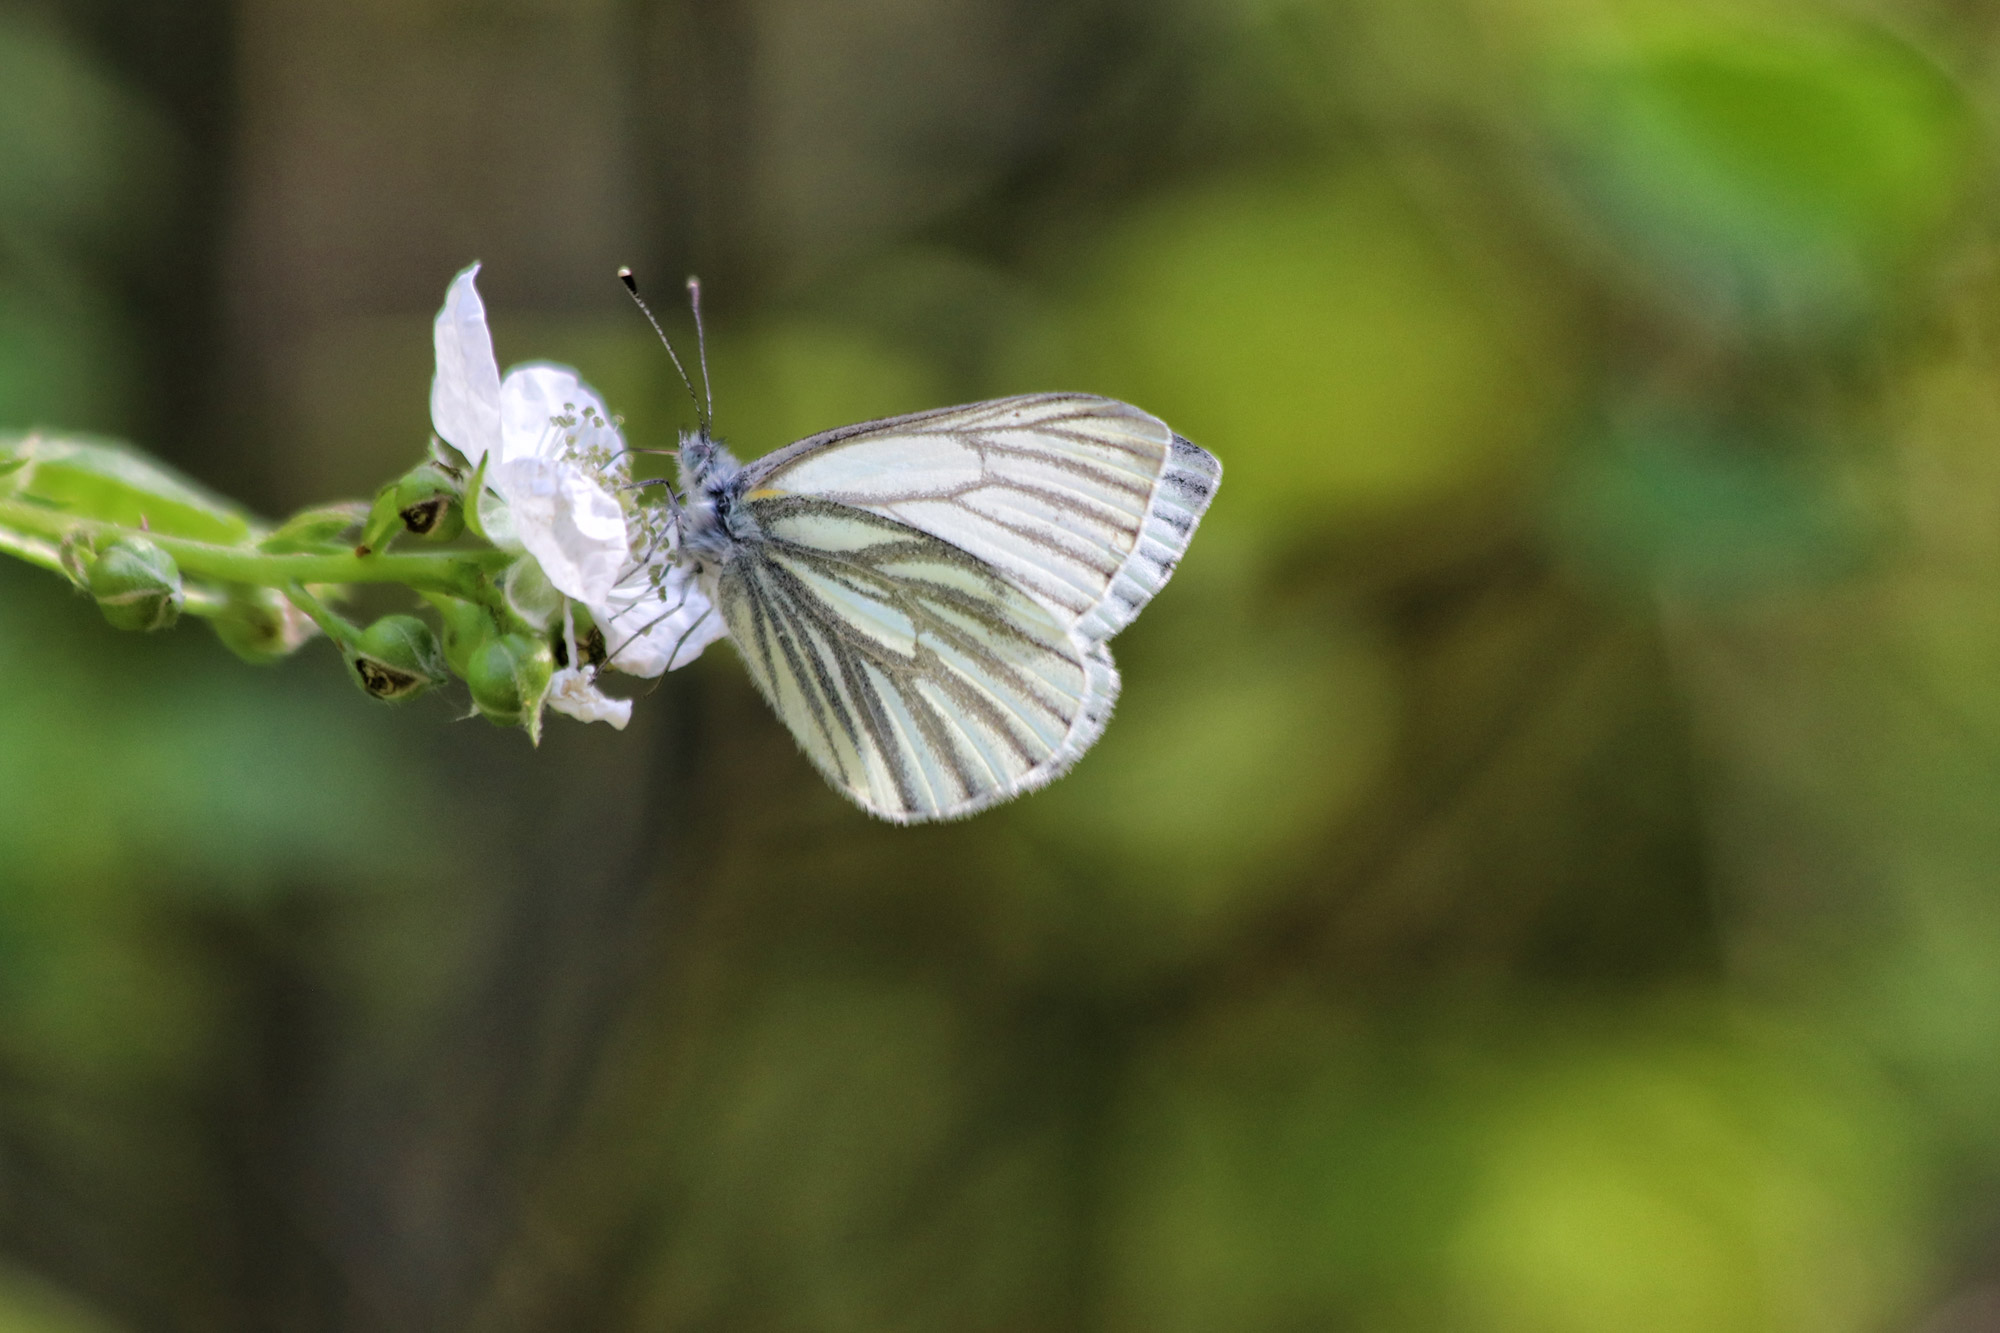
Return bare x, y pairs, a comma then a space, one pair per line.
549, 447
656, 619
575, 692
554, 464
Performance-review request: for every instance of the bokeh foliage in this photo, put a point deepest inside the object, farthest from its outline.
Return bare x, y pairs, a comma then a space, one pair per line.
1541, 877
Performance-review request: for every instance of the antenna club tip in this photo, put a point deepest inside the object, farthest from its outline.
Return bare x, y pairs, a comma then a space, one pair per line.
626, 276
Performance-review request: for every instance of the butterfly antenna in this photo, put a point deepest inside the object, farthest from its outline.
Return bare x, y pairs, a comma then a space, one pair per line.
632, 287
701, 348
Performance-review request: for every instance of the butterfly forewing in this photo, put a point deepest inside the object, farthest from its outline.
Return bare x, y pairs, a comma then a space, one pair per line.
917, 677
1086, 503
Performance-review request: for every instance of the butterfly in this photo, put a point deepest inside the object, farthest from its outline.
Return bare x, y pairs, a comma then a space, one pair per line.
925, 600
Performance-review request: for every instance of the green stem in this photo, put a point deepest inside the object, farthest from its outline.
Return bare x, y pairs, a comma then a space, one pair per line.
460, 573
33, 551
331, 625
198, 601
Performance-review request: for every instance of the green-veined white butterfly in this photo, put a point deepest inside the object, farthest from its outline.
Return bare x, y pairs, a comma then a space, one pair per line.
925, 600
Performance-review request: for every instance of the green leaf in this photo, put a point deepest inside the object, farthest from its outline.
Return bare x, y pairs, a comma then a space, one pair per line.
321, 529
112, 482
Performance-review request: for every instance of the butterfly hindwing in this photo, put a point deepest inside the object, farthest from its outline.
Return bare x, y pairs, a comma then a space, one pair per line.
1086, 503
917, 677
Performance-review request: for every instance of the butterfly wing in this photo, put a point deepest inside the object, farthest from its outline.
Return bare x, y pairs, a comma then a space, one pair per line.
918, 679
1086, 503
928, 605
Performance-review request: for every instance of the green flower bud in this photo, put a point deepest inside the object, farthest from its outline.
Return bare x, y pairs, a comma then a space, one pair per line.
428, 500
260, 626
397, 658
467, 627
439, 519
425, 501
137, 585
508, 676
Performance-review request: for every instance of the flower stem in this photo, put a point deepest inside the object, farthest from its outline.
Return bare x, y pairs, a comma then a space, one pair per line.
329, 624
32, 550
461, 573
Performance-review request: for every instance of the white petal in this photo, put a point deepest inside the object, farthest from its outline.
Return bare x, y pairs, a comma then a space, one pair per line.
571, 525
533, 396
496, 520
573, 692
465, 391
649, 632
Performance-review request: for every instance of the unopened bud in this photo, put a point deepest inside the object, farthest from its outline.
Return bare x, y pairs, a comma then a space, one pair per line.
467, 626
397, 658
423, 501
260, 626
137, 585
428, 500
508, 677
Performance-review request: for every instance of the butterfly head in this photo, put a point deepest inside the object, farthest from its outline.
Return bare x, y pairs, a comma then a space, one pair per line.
703, 462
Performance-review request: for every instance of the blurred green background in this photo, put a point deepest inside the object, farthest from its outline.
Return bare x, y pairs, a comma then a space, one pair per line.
1544, 874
